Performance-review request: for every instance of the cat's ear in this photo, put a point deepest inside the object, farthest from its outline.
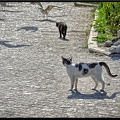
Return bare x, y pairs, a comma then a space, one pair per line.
62, 57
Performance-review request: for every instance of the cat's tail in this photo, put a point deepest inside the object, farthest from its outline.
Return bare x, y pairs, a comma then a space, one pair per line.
107, 69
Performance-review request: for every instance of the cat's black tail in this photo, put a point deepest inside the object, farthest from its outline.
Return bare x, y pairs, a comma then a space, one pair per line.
107, 69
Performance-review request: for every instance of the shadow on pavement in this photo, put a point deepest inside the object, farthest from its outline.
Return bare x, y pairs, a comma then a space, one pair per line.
2, 20
5, 43
33, 29
96, 95
115, 58
11, 11
46, 20
76, 31
58, 16
9, 6
63, 39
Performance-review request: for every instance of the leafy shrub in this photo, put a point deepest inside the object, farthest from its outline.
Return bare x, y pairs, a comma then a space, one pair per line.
108, 21
103, 37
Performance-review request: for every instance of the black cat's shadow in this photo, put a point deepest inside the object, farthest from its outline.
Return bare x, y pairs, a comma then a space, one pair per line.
63, 39
96, 95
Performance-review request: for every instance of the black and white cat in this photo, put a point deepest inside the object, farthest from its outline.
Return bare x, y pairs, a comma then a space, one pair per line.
62, 27
78, 70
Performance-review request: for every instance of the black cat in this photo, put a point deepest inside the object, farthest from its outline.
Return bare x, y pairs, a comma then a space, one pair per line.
62, 29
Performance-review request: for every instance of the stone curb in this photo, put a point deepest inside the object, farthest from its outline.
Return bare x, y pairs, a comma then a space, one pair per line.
92, 45
85, 4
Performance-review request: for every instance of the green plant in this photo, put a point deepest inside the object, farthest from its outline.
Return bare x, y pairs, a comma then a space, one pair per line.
108, 21
100, 23
103, 37
112, 15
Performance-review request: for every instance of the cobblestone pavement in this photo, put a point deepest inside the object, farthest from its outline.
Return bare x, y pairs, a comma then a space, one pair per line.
33, 80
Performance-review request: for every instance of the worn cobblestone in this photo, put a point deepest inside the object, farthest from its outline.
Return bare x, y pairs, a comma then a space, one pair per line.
33, 81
